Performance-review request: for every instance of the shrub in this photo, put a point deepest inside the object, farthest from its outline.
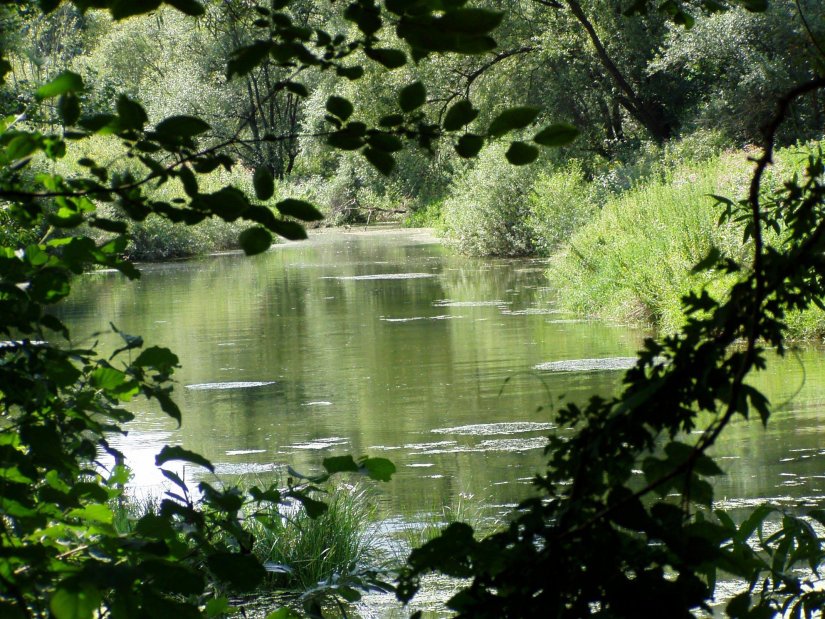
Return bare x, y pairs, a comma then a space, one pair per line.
487, 212
561, 201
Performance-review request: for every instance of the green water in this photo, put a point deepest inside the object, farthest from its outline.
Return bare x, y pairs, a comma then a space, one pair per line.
385, 344
381, 344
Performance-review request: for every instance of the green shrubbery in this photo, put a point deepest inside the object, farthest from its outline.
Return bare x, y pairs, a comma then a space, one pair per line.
633, 262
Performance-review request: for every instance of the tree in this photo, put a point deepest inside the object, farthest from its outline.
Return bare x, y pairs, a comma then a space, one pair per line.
60, 552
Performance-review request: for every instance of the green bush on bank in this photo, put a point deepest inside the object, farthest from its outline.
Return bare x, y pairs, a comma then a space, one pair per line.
156, 238
633, 262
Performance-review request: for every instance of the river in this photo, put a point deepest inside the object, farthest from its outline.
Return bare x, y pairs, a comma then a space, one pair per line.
383, 343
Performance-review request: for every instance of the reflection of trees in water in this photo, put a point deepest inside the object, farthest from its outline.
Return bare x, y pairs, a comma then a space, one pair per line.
286, 316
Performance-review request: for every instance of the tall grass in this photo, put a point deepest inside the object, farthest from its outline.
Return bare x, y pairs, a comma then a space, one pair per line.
301, 552
633, 262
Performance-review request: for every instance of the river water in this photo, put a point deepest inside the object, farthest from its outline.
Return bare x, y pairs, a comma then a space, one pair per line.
385, 344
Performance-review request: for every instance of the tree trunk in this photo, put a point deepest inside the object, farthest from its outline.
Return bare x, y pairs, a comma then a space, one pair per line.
648, 115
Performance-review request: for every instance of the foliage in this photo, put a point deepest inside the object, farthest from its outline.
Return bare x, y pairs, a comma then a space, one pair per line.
62, 554
601, 539
304, 553
633, 262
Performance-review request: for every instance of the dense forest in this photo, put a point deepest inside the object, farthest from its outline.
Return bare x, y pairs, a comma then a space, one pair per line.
666, 156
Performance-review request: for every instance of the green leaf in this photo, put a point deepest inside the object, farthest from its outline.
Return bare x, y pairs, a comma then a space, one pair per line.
755, 6
385, 141
459, 115
381, 160
121, 9
556, 135
107, 378
75, 603
469, 145
470, 21
177, 453
162, 359
69, 108
64, 83
513, 118
299, 209
379, 469
339, 107
521, 153
314, 509
189, 7
244, 59
264, 183
242, 572
412, 97
340, 464
131, 114
182, 126
289, 230
390, 58
255, 240
708, 262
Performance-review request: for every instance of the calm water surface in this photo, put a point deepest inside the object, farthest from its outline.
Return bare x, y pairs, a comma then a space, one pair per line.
385, 344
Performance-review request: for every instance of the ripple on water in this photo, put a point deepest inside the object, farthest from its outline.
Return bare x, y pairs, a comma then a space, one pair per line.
320, 443
379, 276
587, 365
515, 427
448, 303
414, 318
229, 385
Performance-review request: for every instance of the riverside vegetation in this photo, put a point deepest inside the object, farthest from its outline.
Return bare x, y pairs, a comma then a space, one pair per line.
597, 539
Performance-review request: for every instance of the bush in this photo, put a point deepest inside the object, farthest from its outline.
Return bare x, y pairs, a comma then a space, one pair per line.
560, 202
487, 211
633, 262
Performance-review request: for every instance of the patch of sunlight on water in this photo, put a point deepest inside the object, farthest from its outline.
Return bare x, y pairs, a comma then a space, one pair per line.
587, 365
517, 427
229, 385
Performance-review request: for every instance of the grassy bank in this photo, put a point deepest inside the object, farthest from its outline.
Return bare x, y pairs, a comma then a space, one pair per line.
633, 261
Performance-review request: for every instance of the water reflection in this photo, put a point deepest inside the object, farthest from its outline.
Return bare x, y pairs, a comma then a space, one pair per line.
387, 345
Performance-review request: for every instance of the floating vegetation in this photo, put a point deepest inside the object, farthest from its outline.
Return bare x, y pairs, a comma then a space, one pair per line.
229, 385
588, 365
380, 276
448, 303
321, 443
414, 318
513, 427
